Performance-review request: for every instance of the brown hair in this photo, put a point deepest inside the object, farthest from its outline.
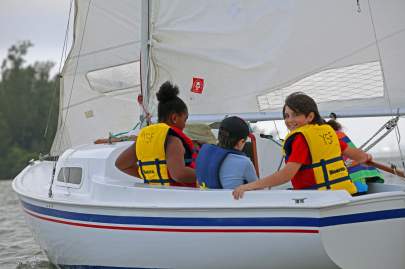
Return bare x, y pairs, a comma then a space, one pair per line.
301, 103
231, 130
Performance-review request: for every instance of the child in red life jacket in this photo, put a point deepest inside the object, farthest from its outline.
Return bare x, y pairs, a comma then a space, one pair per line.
313, 152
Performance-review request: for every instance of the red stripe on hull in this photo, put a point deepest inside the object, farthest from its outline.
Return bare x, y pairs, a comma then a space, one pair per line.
177, 230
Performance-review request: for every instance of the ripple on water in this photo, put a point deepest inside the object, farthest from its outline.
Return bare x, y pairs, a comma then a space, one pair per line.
18, 250
5, 230
35, 263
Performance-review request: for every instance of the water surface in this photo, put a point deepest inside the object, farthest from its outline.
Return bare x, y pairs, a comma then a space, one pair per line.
18, 250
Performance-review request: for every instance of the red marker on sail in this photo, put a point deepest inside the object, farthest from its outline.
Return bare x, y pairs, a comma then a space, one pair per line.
198, 85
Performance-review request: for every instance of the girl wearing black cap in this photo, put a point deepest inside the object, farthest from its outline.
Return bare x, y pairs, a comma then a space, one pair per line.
226, 166
164, 154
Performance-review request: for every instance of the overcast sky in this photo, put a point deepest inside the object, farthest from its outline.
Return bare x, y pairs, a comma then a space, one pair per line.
43, 22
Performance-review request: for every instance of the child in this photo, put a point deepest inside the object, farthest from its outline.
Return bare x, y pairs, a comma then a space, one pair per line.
226, 166
313, 152
163, 154
359, 173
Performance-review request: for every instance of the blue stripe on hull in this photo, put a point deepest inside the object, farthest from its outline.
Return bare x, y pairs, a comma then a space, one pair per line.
363, 217
220, 222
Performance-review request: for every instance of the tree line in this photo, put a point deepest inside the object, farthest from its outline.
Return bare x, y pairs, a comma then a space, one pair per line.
29, 100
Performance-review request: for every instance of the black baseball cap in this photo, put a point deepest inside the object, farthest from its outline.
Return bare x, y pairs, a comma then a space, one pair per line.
235, 126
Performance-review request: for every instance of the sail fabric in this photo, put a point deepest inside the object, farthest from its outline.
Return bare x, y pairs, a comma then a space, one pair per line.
252, 54
247, 56
100, 79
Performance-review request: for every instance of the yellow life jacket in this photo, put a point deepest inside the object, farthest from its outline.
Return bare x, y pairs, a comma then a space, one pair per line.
327, 163
151, 154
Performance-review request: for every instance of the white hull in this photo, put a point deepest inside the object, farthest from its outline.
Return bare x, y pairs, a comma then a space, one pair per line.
116, 223
133, 245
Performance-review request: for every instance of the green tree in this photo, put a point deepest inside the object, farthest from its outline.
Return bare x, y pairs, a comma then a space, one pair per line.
27, 94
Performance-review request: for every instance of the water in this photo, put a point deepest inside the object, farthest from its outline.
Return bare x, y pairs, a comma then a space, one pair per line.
18, 250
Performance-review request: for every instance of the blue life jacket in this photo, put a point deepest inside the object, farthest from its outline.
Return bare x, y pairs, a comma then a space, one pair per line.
208, 164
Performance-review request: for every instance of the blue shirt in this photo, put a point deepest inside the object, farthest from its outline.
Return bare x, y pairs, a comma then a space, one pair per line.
236, 170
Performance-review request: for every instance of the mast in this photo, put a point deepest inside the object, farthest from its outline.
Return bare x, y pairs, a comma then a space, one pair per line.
144, 61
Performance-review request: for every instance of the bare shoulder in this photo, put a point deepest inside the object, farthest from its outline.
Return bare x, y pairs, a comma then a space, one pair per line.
173, 140
174, 144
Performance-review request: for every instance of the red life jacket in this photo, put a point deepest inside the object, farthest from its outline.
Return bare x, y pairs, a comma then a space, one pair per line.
190, 155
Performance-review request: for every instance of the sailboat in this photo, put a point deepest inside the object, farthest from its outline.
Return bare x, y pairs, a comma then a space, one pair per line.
247, 56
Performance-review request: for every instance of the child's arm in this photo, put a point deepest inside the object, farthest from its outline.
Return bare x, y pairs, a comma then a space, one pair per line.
357, 155
278, 178
127, 162
175, 161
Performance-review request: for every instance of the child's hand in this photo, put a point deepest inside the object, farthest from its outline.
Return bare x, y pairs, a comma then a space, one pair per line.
369, 158
238, 192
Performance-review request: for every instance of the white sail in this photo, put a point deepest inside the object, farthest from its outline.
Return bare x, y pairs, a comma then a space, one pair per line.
101, 79
251, 54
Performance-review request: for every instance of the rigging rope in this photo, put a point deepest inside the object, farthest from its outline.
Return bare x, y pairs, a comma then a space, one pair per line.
398, 138
147, 117
401, 155
278, 133
64, 119
389, 126
63, 55
358, 6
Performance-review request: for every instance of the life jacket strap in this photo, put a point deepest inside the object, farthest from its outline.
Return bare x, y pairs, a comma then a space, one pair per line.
161, 181
325, 174
327, 184
156, 163
140, 164
321, 163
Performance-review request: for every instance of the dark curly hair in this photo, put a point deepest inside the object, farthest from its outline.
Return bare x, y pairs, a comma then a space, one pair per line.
334, 124
301, 103
169, 102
